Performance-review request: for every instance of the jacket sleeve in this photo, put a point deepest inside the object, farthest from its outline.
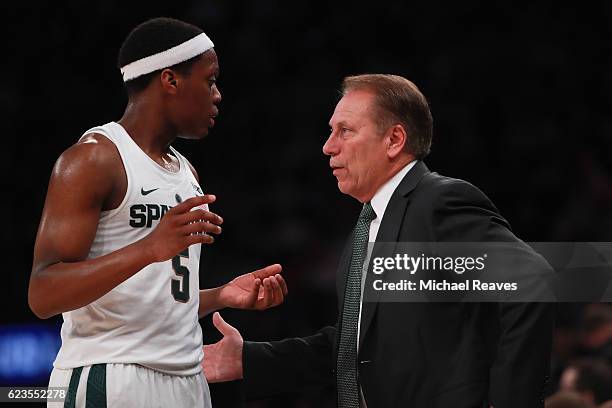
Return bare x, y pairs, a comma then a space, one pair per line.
521, 355
289, 365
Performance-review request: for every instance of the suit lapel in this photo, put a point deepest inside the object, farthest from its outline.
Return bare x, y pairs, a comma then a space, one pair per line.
389, 231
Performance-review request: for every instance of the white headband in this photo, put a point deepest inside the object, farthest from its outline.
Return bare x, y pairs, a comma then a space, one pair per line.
175, 55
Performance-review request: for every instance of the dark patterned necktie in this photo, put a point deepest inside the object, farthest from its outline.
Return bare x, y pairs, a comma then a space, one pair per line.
346, 365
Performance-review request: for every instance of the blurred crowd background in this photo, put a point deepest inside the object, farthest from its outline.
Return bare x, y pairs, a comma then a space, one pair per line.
520, 96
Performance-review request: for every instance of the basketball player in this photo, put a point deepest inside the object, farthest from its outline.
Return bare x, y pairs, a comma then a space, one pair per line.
118, 247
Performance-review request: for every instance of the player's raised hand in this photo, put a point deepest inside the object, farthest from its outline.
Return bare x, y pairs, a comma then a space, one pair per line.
258, 290
181, 227
223, 360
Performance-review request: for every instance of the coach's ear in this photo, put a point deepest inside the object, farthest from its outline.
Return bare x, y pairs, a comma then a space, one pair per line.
396, 140
169, 81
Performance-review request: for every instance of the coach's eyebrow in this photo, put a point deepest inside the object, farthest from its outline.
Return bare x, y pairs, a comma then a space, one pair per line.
341, 123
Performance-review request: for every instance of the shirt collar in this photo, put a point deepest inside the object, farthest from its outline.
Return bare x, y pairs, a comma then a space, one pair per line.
383, 195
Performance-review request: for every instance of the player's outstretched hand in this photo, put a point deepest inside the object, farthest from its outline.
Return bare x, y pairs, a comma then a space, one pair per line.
257, 290
181, 227
223, 360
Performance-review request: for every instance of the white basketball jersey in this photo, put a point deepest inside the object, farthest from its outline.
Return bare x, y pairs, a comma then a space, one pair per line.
152, 318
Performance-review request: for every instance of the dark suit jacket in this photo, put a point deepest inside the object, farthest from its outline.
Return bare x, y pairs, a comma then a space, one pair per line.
459, 355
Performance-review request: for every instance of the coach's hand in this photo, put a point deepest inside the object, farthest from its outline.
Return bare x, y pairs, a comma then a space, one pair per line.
223, 360
257, 290
181, 227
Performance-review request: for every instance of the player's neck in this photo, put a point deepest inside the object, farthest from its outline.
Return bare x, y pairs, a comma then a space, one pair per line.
145, 124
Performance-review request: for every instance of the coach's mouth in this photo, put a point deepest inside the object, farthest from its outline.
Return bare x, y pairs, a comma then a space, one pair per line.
335, 169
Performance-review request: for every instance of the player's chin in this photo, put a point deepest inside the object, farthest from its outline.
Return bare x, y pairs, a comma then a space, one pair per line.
203, 133
196, 134
205, 128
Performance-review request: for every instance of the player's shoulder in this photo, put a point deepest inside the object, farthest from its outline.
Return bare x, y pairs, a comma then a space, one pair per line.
93, 150
93, 157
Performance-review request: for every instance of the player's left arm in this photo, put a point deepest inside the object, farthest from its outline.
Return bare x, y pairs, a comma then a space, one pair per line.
257, 290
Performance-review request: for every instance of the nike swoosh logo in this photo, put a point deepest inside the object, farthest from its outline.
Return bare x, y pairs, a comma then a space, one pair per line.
145, 192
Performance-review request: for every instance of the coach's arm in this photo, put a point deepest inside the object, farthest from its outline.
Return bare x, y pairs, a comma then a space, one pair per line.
463, 213
270, 368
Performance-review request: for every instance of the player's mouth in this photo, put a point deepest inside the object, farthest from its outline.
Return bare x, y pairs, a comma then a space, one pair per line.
211, 120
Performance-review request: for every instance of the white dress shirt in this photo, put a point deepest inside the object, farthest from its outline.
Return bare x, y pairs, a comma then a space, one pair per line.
379, 205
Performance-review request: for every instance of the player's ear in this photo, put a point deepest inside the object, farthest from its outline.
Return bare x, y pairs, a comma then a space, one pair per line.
169, 81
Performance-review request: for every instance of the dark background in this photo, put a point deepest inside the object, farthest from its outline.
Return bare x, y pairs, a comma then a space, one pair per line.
520, 97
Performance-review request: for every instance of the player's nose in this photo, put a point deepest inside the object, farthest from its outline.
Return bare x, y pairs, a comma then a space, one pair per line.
217, 95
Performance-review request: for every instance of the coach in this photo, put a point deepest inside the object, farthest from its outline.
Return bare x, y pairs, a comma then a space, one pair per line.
383, 354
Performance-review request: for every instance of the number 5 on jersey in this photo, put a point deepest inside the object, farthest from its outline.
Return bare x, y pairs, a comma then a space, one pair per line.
180, 287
